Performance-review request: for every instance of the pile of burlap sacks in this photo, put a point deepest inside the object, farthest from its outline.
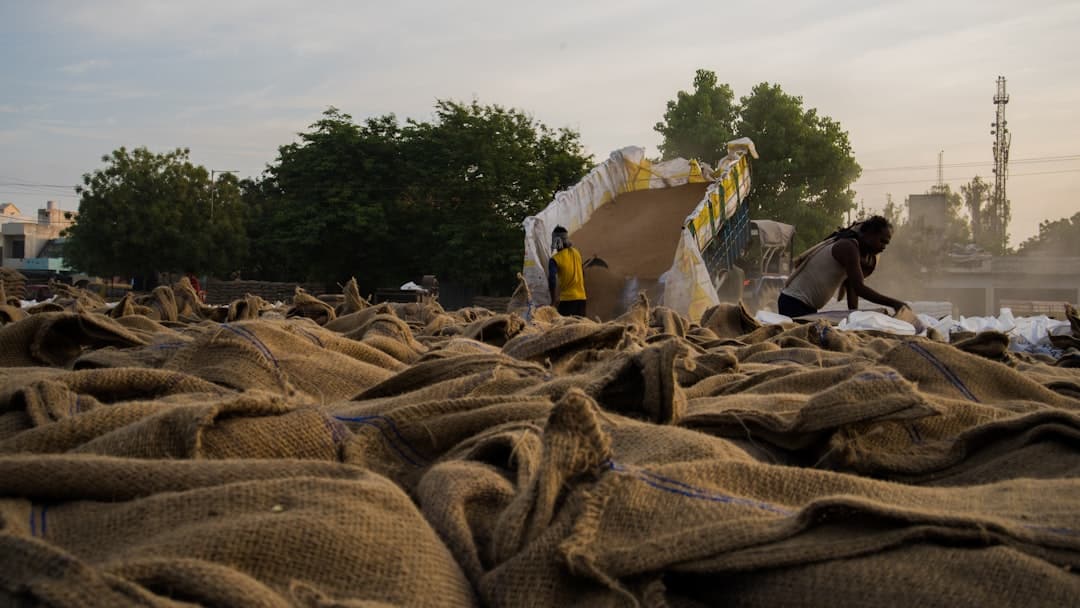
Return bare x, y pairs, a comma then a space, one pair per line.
160, 452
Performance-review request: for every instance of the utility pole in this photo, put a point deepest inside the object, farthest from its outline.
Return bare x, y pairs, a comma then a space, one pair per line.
213, 187
999, 203
941, 171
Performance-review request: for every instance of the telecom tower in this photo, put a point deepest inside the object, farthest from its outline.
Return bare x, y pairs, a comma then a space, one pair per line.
999, 213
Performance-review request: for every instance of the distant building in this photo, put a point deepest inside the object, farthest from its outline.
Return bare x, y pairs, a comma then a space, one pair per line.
30, 244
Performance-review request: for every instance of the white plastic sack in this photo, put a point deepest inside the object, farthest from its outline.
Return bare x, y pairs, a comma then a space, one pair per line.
865, 319
766, 317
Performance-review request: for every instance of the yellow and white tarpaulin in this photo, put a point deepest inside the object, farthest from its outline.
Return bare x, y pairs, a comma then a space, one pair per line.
688, 288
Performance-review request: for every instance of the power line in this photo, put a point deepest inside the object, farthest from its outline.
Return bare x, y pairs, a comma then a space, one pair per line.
1033, 160
955, 179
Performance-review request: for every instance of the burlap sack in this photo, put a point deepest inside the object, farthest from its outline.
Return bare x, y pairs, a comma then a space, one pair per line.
191, 426
806, 357
967, 444
641, 383
942, 370
56, 339
992, 345
920, 574
307, 305
95, 531
564, 340
11, 314
352, 301
495, 330
262, 354
60, 396
716, 516
332, 341
435, 371
793, 420
728, 320
403, 440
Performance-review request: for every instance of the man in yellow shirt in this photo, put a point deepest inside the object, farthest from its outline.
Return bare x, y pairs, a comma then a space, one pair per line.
566, 277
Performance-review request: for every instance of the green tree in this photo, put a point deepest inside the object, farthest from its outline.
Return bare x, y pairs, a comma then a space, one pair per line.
1055, 238
325, 210
976, 195
806, 168
700, 123
388, 202
145, 212
486, 168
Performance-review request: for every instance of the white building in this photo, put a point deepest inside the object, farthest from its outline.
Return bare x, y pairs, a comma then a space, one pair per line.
33, 243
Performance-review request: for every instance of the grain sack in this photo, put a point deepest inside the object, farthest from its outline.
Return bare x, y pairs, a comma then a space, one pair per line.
56, 339
85, 531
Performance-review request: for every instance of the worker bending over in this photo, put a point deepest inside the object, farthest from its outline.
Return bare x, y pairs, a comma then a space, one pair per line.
566, 277
839, 265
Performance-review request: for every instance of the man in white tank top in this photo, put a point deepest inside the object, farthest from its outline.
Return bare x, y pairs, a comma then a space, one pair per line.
841, 261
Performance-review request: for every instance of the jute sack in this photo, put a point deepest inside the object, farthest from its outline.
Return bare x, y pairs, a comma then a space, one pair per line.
496, 330
352, 301
918, 574
402, 441
307, 305
806, 357
55, 397
695, 367
640, 383
262, 354
712, 517
435, 371
794, 421
57, 339
333, 341
728, 320
251, 425
819, 333
663, 320
518, 555
982, 447
354, 320
943, 370
95, 531
9, 313
992, 345
246, 308
564, 340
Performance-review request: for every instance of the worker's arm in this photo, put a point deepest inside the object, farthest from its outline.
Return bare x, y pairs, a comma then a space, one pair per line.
847, 253
868, 265
553, 281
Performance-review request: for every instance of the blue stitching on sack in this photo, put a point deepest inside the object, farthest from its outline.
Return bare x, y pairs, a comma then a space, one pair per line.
250, 337
370, 421
1061, 531
311, 336
944, 369
33, 526
657, 481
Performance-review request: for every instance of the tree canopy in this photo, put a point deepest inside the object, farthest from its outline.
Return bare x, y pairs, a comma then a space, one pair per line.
388, 202
806, 168
1056, 238
144, 212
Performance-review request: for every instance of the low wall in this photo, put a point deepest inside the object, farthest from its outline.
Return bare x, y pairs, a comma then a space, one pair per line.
223, 292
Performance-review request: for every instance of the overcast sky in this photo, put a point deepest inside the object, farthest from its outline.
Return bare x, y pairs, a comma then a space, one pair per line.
233, 80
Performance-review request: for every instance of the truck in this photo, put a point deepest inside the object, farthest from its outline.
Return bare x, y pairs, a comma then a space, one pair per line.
678, 231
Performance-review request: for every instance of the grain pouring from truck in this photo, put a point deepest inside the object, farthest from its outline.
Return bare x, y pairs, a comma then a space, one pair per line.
675, 230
